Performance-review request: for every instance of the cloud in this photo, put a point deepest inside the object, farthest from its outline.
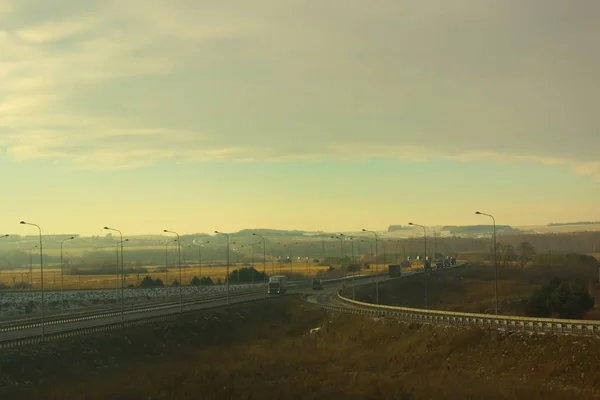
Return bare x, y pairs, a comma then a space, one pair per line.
129, 84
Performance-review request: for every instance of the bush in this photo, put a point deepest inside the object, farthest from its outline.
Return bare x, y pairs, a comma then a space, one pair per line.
195, 281
246, 275
175, 283
571, 300
148, 282
567, 299
207, 281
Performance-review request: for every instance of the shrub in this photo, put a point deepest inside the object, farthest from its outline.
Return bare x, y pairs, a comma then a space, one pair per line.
206, 281
195, 281
246, 275
571, 300
148, 282
567, 299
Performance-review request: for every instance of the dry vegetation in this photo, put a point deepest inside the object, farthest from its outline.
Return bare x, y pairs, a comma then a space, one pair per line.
472, 288
259, 351
52, 276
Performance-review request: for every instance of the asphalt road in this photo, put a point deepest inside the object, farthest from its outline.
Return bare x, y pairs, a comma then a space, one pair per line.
72, 323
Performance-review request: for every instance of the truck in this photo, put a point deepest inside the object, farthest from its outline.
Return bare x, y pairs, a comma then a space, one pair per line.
317, 284
394, 270
278, 284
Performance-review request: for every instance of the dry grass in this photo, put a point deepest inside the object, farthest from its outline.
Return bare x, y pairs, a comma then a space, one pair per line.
472, 288
260, 351
52, 276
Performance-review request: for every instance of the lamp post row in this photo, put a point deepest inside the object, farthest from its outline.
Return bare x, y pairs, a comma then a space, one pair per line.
264, 243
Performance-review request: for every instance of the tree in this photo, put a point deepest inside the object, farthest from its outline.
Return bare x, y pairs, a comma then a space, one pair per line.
246, 275
526, 252
206, 281
567, 299
508, 253
148, 282
571, 300
195, 281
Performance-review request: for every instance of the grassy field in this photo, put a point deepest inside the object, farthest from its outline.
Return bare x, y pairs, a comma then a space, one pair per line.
263, 351
52, 275
472, 288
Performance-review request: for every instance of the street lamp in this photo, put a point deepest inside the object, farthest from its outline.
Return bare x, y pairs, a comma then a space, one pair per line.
122, 275
167, 264
495, 255
353, 264
341, 250
370, 245
227, 236
61, 271
30, 274
425, 265
200, 256
119, 243
42, 275
264, 242
376, 274
179, 261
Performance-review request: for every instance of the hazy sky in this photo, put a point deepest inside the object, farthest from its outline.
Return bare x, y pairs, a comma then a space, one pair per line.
198, 115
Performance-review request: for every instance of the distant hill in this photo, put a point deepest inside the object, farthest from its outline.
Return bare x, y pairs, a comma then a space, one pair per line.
393, 228
473, 229
573, 223
268, 232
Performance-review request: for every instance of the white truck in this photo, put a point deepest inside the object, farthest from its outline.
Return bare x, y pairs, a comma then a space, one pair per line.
278, 284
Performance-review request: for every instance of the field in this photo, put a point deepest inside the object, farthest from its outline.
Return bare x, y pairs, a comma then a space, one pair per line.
72, 282
472, 288
263, 351
52, 276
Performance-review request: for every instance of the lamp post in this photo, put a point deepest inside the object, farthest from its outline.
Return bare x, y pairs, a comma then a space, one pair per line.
167, 264
425, 265
264, 242
119, 243
495, 255
179, 262
227, 236
30, 275
42, 276
122, 275
353, 264
341, 250
61, 271
376, 274
200, 257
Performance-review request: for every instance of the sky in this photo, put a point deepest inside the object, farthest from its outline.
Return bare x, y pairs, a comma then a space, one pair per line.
335, 115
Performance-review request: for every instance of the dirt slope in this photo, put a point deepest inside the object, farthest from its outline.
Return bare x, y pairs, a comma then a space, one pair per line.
263, 351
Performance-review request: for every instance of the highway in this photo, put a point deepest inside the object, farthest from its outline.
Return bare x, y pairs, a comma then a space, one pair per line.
20, 331
31, 328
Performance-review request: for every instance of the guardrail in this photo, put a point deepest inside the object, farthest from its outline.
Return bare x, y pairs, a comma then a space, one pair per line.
544, 325
142, 309
36, 339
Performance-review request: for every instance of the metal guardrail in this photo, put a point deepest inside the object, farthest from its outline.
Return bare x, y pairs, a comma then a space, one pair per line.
115, 313
83, 331
544, 325
97, 329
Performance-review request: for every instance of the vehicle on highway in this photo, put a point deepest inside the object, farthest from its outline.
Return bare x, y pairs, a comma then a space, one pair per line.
453, 260
317, 284
394, 270
278, 284
439, 263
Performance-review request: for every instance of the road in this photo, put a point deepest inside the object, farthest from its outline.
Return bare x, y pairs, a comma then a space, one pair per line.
32, 328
